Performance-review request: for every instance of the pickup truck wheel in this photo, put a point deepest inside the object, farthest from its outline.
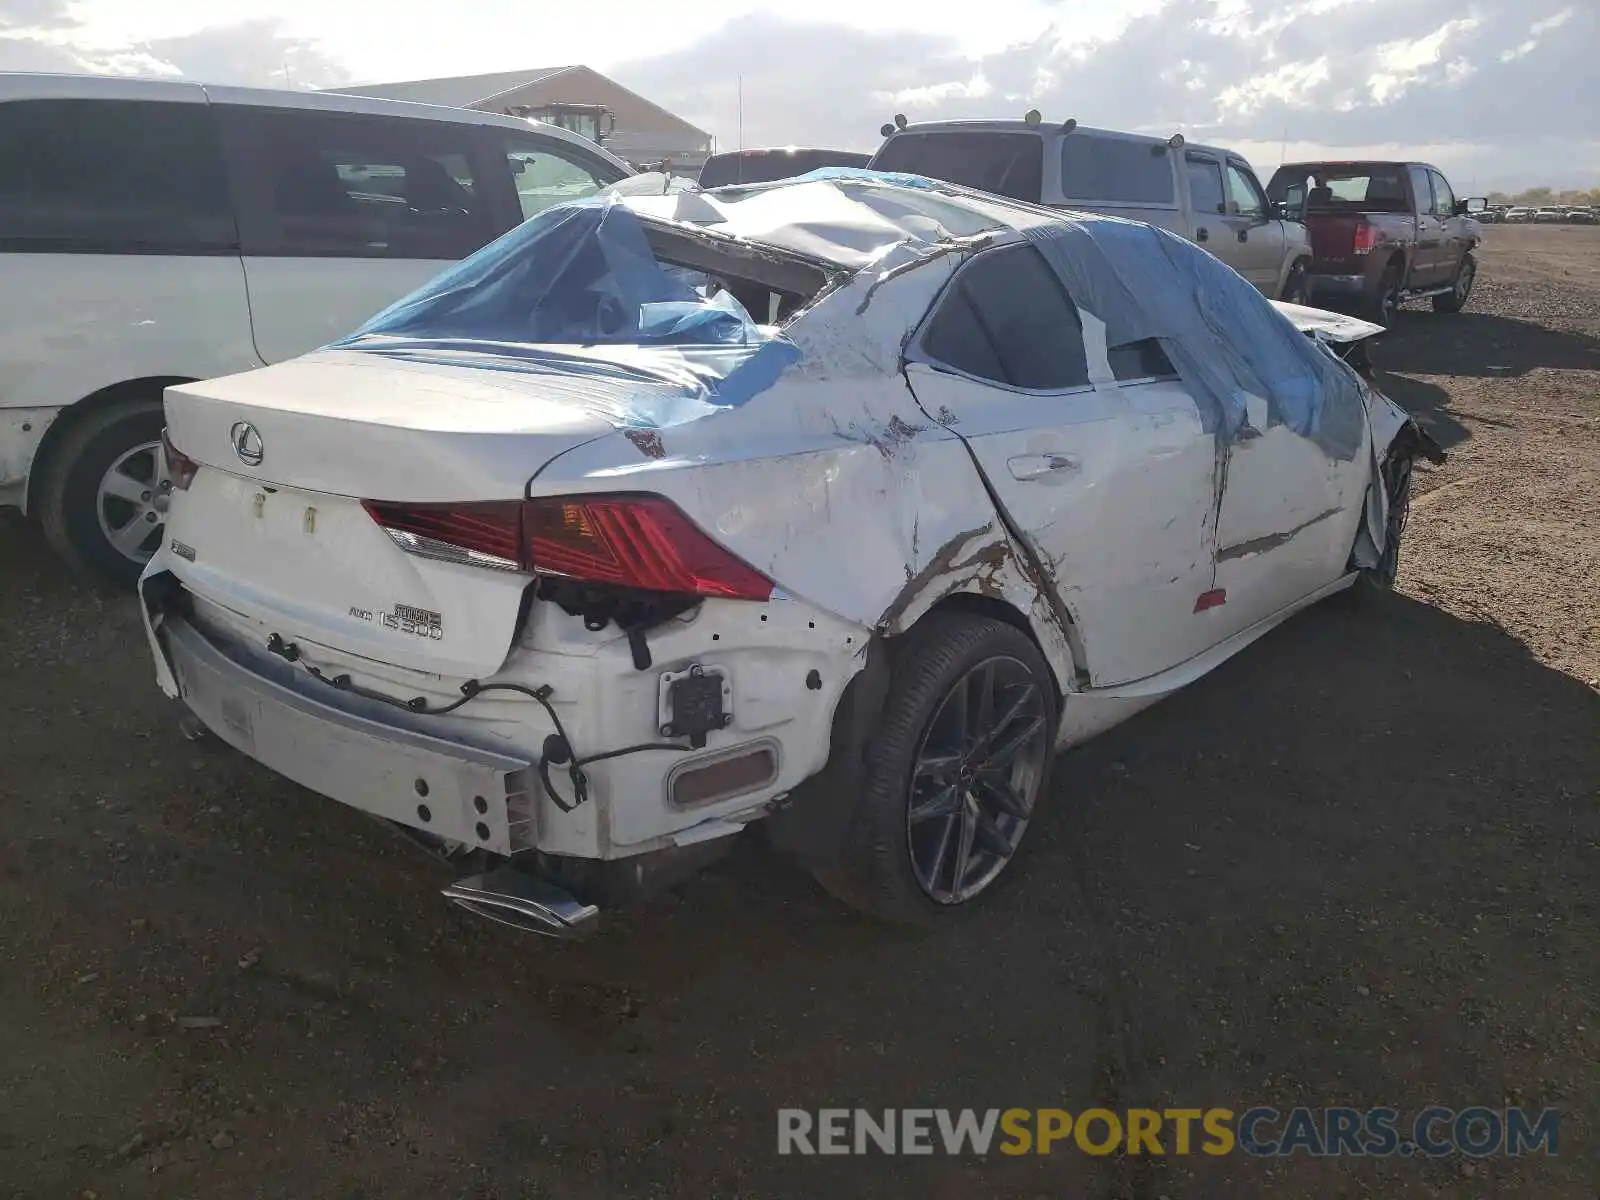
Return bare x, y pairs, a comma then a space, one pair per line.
1455, 299
103, 495
1297, 287
1384, 302
954, 773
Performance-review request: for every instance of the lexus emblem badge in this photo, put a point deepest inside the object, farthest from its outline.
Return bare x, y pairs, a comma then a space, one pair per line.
247, 445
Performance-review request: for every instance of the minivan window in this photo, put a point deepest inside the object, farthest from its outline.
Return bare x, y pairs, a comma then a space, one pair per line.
1112, 170
545, 172
1007, 319
133, 177
352, 185
1005, 163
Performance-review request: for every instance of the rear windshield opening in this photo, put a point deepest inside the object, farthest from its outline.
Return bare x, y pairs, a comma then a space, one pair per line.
771, 286
766, 166
1005, 163
1365, 187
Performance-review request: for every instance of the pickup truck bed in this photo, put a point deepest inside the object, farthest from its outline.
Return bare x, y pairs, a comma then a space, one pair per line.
1382, 233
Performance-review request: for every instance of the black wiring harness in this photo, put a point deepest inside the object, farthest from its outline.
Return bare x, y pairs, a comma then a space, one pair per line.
557, 749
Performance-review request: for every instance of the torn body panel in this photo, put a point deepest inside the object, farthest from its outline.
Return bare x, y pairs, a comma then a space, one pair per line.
840, 438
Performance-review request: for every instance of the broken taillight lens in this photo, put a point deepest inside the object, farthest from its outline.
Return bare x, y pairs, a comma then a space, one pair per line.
627, 540
180, 467
1367, 236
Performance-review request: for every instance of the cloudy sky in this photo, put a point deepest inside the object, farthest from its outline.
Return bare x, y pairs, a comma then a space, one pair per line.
1499, 92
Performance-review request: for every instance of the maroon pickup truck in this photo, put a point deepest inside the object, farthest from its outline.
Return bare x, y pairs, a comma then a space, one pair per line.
1381, 233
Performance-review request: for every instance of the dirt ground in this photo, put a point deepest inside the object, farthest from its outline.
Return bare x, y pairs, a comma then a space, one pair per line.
1357, 865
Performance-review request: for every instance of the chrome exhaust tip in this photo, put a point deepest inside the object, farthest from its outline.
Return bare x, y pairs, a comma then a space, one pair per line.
524, 902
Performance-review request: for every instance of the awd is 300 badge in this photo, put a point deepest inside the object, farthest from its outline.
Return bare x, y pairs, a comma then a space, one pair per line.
418, 622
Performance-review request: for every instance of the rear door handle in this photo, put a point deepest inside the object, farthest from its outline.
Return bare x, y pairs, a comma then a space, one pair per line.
1244, 235
1027, 467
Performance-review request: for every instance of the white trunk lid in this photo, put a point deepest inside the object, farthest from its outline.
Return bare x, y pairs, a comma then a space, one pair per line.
286, 541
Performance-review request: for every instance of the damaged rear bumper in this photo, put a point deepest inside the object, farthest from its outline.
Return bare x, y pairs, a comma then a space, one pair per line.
450, 791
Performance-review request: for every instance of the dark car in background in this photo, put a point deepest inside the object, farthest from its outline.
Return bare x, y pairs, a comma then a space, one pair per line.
1382, 233
766, 165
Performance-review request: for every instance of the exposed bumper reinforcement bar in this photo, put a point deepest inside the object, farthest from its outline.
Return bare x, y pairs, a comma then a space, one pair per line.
524, 902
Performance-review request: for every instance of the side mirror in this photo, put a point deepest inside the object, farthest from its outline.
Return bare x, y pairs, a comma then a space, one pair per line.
1474, 205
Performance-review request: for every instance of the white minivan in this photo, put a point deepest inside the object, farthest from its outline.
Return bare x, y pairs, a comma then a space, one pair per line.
159, 232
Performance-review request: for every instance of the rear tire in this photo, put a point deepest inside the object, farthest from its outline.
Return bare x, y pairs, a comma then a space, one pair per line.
1456, 299
953, 774
102, 496
1383, 304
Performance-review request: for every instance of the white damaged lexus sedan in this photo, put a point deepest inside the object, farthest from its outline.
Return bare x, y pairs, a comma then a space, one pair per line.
838, 505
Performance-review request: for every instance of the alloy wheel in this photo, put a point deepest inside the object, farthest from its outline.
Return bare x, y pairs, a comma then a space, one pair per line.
976, 779
131, 502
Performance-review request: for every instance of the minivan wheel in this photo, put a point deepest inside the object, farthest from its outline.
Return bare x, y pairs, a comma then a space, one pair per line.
103, 495
954, 774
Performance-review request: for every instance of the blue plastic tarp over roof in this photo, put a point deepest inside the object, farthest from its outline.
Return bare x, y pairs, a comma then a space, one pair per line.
576, 291
1223, 336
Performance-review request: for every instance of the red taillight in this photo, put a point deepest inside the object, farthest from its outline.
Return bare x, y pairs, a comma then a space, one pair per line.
630, 541
180, 467
1367, 236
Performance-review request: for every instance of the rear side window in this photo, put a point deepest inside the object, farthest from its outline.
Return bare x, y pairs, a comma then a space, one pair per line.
1007, 319
1111, 170
1205, 184
1421, 189
1007, 164
113, 178
323, 184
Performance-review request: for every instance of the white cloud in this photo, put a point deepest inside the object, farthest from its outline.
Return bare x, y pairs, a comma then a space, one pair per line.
937, 93
1402, 62
1506, 82
1294, 84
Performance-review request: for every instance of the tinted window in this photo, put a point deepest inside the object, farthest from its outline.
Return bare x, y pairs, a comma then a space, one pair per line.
1444, 200
346, 184
1115, 170
1007, 164
1140, 360
1355, 187
546, 172
118, 177
1205, 185
1245, 198
1421, 189
1007, 319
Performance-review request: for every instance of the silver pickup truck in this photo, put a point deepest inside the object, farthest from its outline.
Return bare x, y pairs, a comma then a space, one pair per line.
1204, 193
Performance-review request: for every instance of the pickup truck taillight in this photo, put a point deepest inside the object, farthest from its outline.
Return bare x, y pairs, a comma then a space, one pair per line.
1367, 236
628, 540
